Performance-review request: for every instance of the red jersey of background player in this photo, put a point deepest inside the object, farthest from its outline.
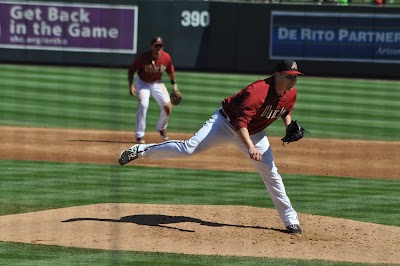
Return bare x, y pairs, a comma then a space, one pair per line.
150, 70
258, 105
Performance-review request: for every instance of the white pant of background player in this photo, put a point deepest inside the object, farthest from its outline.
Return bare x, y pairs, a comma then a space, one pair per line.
160, 94
218, 131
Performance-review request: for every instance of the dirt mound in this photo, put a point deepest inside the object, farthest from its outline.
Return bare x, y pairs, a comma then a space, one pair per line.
206, 230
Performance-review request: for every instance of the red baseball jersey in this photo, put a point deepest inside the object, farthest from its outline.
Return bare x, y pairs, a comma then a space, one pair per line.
258, 105
149, 69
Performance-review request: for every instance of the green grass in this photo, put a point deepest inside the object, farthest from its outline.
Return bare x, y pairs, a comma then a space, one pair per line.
95, 98
50, 256
33, 186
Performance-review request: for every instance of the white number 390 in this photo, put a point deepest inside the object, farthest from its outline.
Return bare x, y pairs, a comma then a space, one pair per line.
195, 18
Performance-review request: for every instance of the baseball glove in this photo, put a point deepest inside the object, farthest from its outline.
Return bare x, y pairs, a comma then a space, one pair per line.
294, 132
176, 97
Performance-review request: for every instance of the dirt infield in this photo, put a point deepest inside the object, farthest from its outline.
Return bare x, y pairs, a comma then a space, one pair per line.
211, 230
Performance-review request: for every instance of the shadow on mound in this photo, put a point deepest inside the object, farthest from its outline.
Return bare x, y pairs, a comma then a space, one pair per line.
160, 220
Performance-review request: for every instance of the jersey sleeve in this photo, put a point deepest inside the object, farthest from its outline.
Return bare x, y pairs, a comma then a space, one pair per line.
170, 67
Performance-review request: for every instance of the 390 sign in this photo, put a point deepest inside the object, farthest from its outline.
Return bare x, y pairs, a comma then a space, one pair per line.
195, 18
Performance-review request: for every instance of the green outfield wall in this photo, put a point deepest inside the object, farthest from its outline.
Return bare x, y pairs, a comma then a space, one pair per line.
220, 36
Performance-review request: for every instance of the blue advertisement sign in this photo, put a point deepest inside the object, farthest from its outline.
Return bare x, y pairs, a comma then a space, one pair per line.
356, 37
68, 27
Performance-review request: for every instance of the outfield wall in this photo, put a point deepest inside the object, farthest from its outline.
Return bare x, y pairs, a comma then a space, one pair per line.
204, 35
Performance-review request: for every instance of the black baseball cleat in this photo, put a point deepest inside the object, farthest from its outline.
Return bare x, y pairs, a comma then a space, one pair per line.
163, 134
129, 154
294, 229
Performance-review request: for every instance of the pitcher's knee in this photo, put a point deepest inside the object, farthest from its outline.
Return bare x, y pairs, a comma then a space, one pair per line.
189, 146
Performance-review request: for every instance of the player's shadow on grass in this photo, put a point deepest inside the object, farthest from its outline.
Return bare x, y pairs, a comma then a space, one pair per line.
163, 221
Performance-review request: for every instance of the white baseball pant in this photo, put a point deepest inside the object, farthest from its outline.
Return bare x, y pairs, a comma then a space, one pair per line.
218, 131
160, 94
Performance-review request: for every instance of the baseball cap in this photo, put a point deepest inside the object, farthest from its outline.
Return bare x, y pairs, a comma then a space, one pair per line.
288, 66
157, 40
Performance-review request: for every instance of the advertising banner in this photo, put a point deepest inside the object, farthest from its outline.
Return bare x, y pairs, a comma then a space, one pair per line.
335, 36
68, 27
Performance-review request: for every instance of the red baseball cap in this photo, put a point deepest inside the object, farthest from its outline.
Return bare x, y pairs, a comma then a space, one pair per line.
157, 40
288, 66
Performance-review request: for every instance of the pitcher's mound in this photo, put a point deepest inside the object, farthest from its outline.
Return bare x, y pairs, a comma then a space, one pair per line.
208, 230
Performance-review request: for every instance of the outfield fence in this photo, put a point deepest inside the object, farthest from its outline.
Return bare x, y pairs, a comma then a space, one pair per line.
219, 36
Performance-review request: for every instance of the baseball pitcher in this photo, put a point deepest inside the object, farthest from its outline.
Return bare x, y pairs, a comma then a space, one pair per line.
241, 121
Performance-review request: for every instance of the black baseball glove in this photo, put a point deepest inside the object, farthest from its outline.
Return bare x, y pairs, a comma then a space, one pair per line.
176, 97
294, 132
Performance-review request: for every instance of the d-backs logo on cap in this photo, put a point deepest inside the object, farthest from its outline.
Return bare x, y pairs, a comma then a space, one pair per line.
294, 66
288, 66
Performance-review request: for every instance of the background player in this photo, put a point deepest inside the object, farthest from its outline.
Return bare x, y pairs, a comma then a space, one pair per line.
241, 121
150, 66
